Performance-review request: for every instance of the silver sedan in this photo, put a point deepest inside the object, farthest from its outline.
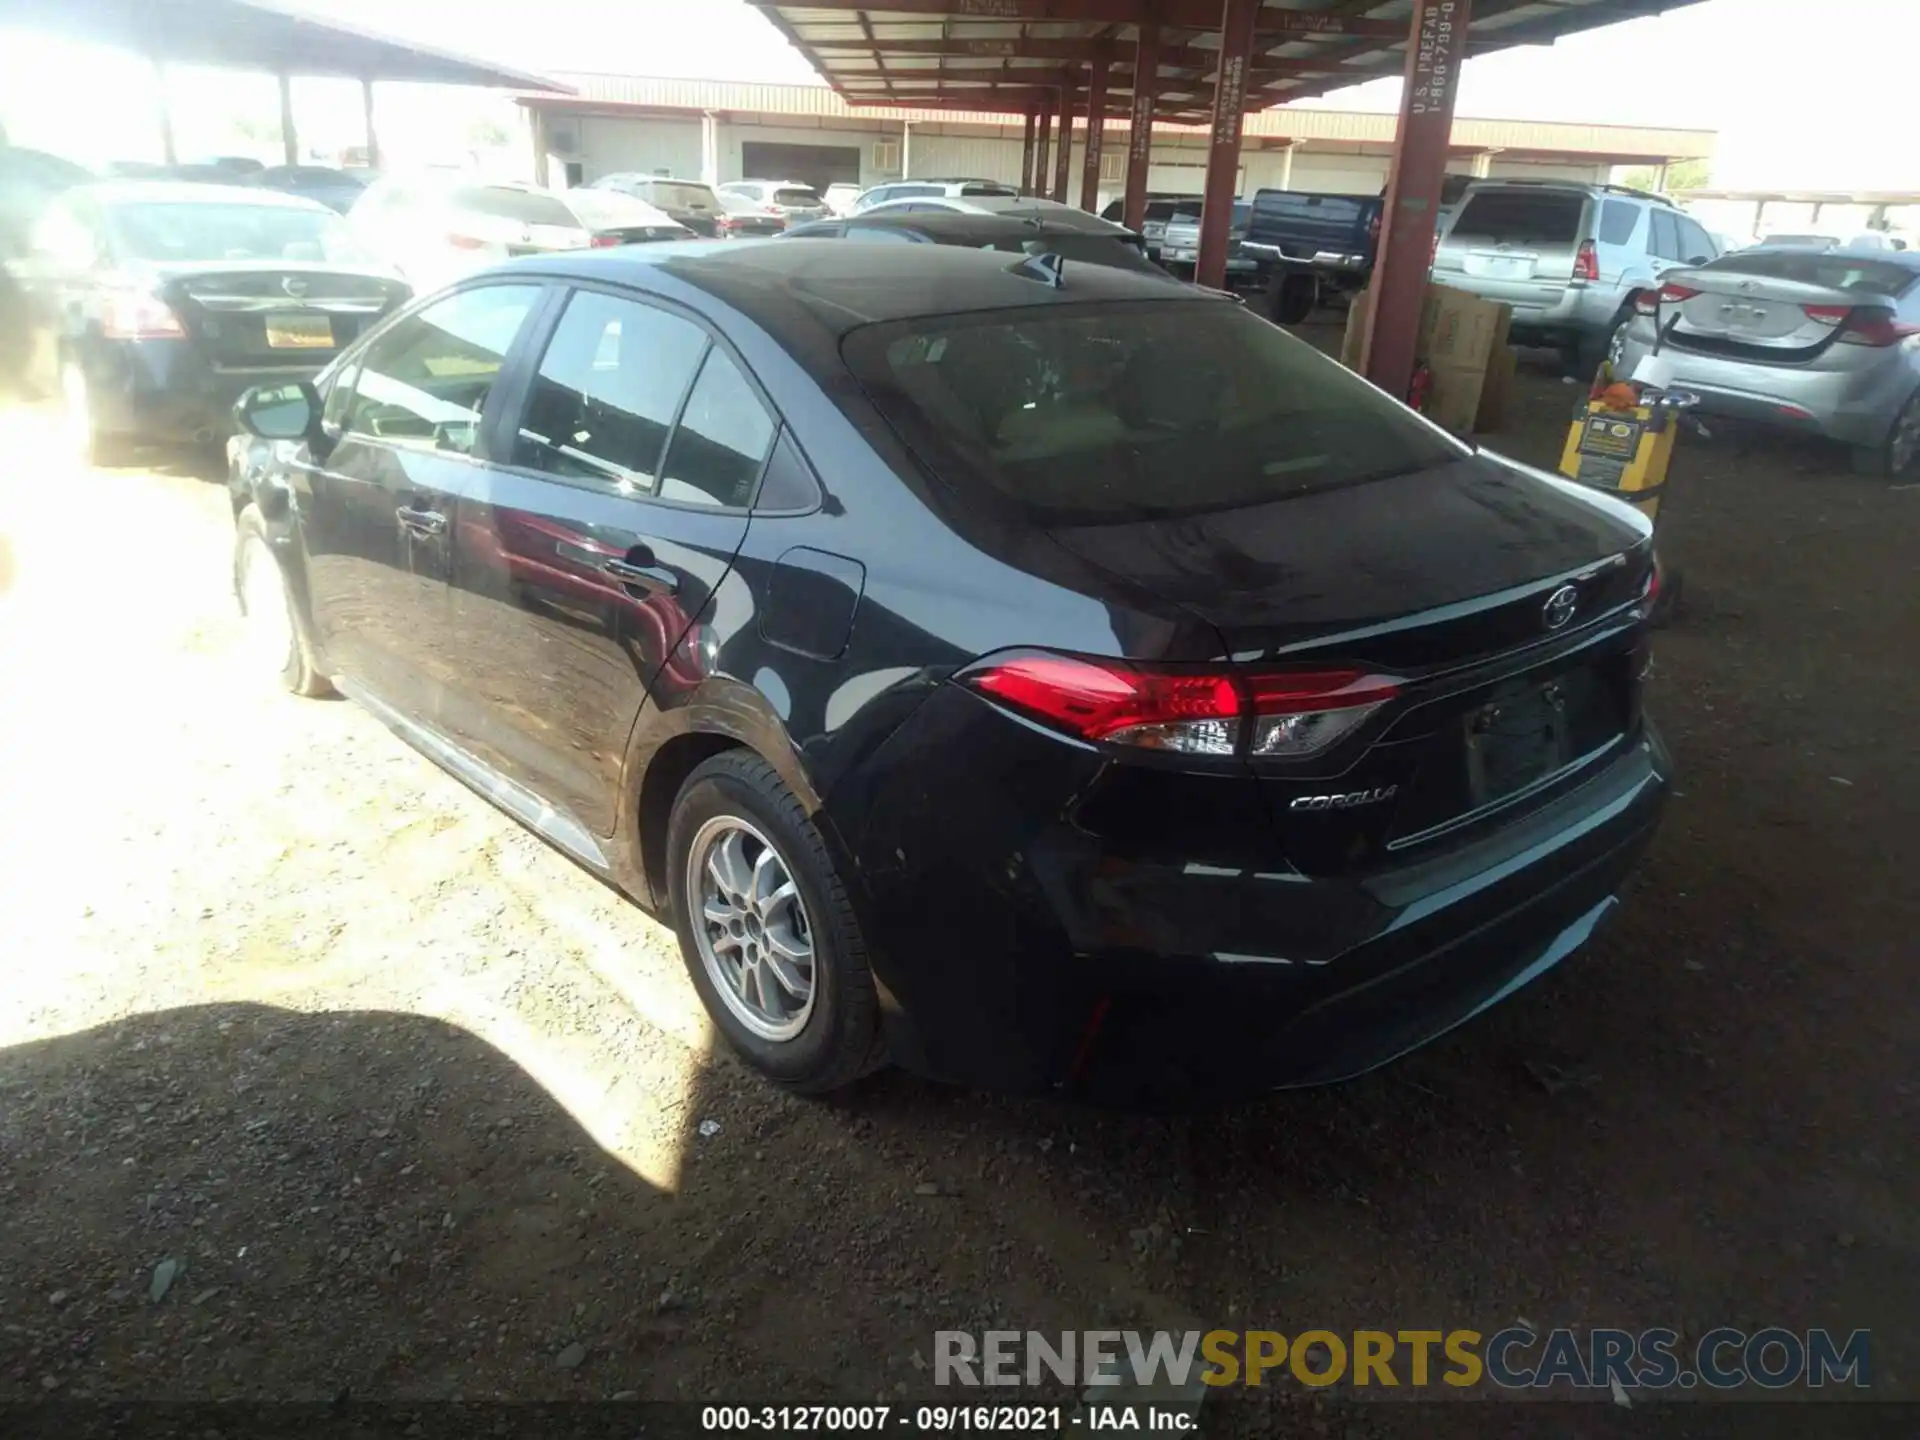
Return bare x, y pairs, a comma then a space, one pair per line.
1821, 341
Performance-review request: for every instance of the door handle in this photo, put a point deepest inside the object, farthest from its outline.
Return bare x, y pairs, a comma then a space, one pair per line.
425, 522
654, 579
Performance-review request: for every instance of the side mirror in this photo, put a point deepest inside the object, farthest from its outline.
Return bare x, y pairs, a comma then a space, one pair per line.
279, 412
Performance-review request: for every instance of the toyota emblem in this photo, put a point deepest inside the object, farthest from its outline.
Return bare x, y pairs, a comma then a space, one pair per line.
294, 286
1560, 607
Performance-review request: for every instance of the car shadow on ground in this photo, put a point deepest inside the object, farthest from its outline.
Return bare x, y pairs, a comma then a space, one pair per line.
237, 1200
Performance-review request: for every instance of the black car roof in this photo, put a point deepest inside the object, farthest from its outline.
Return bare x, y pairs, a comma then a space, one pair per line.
803, 290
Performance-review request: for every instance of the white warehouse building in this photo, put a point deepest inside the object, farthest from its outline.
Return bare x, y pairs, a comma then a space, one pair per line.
723, 130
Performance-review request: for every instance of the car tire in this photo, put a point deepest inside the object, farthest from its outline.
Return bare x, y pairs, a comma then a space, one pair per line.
87, 441
1586, 354
276, 639
1898, 456
1292, 295
743, 921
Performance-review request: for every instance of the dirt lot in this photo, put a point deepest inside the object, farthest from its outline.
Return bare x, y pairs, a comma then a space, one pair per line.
320, 1075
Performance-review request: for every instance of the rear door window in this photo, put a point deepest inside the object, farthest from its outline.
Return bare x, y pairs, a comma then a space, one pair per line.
1665, 240
425, 382
608, 388
721, 440
879, 235
1522, 217
1618, 220
1695, 244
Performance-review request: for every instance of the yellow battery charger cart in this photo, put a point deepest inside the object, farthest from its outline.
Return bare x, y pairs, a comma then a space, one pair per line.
1625, 450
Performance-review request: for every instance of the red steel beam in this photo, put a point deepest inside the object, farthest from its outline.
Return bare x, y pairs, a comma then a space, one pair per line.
1063, 154
1036, 181
1436, 45
1180, 14
1223, 153
1096, 124
1179, 57
1146, 69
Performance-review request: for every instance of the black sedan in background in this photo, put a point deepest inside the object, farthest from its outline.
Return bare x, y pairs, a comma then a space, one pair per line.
1043, 680
159, 303
1117, 249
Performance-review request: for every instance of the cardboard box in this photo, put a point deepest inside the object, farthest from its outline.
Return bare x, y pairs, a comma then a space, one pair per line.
1496, 397
1462, 340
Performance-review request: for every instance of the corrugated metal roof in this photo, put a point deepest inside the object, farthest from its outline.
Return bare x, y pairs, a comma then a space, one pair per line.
1002, 52
733, 97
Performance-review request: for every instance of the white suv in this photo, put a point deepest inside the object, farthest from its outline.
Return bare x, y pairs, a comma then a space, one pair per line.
1569, 257
930, 188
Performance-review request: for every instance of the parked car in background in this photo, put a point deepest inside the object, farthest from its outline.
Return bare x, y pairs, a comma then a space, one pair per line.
691, 202
744, 219
1004, 233
1180, 246
929, 187
1306, 245
1080, 685
1024, 207
29, 181
335, 189
436, 226
1160, 209
164, 301
789, 199
1825, 342
1569, 258
840, 196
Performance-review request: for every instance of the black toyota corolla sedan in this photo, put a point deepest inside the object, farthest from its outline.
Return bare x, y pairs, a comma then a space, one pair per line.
1077, 684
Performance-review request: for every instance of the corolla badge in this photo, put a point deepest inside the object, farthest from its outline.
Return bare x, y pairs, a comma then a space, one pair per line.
294, 286
1346, 801
1560, 607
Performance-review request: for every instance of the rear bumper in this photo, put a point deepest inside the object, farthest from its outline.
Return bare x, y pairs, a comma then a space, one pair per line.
1853, 406
166, 391
1019, 949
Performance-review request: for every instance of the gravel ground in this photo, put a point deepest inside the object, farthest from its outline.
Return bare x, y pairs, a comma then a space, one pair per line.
318, 1074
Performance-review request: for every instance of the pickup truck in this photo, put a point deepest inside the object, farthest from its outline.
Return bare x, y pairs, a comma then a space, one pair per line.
1304, 243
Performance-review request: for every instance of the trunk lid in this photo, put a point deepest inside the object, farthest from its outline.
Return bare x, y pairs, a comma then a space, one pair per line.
1445, 580
252, 315
1775, 308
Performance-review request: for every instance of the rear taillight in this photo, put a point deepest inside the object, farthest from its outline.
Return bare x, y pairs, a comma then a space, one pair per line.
1373, 230
1876, 328
724, 224
1827, 314
1648, 302
1586, 262
139, 315
604, 242
465, 242
1286, 714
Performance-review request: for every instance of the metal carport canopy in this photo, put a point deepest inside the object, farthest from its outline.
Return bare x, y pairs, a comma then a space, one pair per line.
248, 35
1194, 60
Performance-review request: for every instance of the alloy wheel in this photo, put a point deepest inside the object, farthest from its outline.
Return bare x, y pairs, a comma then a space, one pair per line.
751, 926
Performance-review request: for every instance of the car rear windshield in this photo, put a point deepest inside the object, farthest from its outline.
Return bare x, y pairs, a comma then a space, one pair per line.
794, 195
503, 202
1116, 252
1321, 207
681, 197
188, 231
1542, 216
1832, 271
1102, 413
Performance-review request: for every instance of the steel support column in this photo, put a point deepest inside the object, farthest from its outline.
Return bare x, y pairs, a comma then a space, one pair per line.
163, 113
1026, 155
1146, 90
289, 141
1096, 132
1223, 150
1042, 150
366, 114
1063, 153
1436, 45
